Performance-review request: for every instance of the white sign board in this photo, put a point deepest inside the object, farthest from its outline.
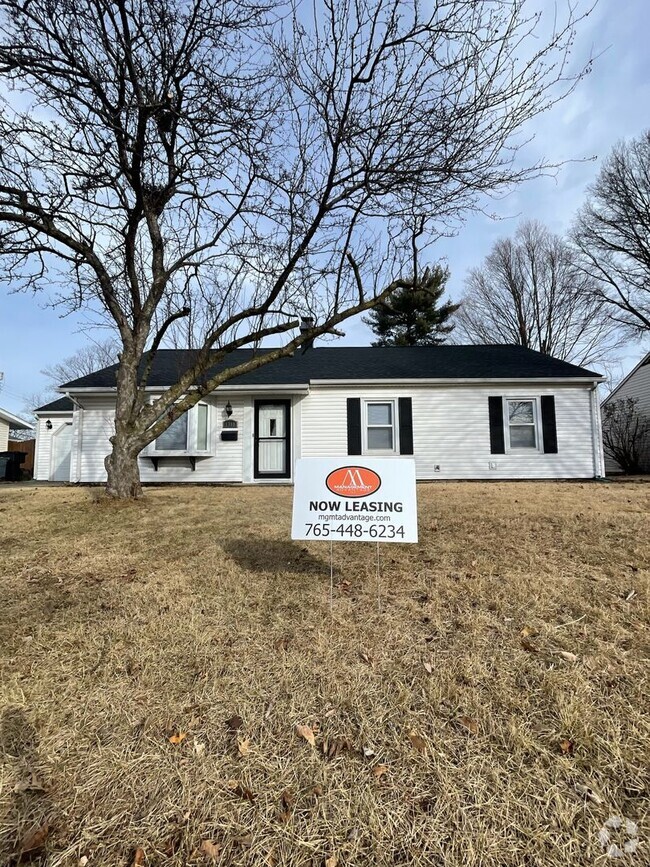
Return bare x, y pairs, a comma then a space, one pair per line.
355, 500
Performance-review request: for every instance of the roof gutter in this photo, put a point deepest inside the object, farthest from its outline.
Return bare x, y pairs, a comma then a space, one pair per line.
597, 434
298, 388
483, 380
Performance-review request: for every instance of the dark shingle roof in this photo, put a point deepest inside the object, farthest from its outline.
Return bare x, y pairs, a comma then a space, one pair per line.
63, 404
362, 363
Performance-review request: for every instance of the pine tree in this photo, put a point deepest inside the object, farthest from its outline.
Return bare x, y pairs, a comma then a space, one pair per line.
412, 317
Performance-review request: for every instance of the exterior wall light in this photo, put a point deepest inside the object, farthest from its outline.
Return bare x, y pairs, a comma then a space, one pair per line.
48, 424
228, 409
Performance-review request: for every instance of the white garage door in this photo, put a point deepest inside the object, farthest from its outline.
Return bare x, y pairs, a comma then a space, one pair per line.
61, 446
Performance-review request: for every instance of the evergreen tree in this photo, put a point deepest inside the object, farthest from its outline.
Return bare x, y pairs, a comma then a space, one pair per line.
411, 316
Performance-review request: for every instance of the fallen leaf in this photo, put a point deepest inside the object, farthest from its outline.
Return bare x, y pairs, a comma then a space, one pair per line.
468, 723
368, 752
332, 861
379, 770
566, 746
366, 657
243, 747
527, 631
529, 646
317, 791
242, 791
35, 839
177, 738
210, 850
629, 596
138, 858
428, 667
199, 748
287, 801
418, 743
306, 733
82, 861
234, 723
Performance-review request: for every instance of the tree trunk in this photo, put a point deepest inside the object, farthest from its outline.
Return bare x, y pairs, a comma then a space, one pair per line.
123, 472
121, 464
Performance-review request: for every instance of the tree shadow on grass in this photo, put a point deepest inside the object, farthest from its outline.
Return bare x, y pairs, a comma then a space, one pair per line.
268, 555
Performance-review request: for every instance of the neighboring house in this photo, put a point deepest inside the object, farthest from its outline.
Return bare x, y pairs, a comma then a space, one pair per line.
463, 412
9, 421
635, 385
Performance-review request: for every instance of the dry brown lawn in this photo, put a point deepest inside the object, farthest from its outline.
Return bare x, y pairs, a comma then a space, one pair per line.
155, 660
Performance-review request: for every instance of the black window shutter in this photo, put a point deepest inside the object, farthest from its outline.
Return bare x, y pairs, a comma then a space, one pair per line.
549, 430
354, 425
405, 426
497, 440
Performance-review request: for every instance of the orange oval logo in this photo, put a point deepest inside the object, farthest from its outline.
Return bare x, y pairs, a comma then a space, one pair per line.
353, 482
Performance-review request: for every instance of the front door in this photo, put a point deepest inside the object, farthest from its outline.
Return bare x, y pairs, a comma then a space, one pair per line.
61, 447
272, 459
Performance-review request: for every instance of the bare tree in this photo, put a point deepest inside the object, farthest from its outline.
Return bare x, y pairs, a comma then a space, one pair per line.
531, 292
85, 360
626, 434
239, 164
612, 232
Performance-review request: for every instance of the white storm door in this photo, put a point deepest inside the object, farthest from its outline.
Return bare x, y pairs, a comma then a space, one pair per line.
272, 439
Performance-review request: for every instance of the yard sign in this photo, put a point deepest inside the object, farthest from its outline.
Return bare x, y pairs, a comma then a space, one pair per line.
337, 500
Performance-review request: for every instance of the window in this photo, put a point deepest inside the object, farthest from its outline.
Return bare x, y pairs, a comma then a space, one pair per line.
175, 437
202, 427
189, 433
521, 425
380, 426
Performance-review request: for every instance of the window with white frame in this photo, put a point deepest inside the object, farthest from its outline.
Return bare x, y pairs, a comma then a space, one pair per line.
380, 426
522, 424
188, 433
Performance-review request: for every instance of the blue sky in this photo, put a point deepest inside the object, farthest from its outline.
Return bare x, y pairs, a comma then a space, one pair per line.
610, 104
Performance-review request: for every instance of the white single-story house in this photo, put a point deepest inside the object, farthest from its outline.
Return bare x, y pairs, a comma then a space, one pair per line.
635, 385
9, 421
462, 412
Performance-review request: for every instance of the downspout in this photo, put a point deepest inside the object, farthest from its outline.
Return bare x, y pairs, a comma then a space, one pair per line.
80, 422
597, 434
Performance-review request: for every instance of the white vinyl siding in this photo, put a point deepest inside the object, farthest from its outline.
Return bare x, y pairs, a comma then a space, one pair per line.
451, 430
224, 464
44, 440
4, 435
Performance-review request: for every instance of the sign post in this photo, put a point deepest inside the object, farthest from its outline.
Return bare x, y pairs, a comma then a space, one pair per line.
373, 500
